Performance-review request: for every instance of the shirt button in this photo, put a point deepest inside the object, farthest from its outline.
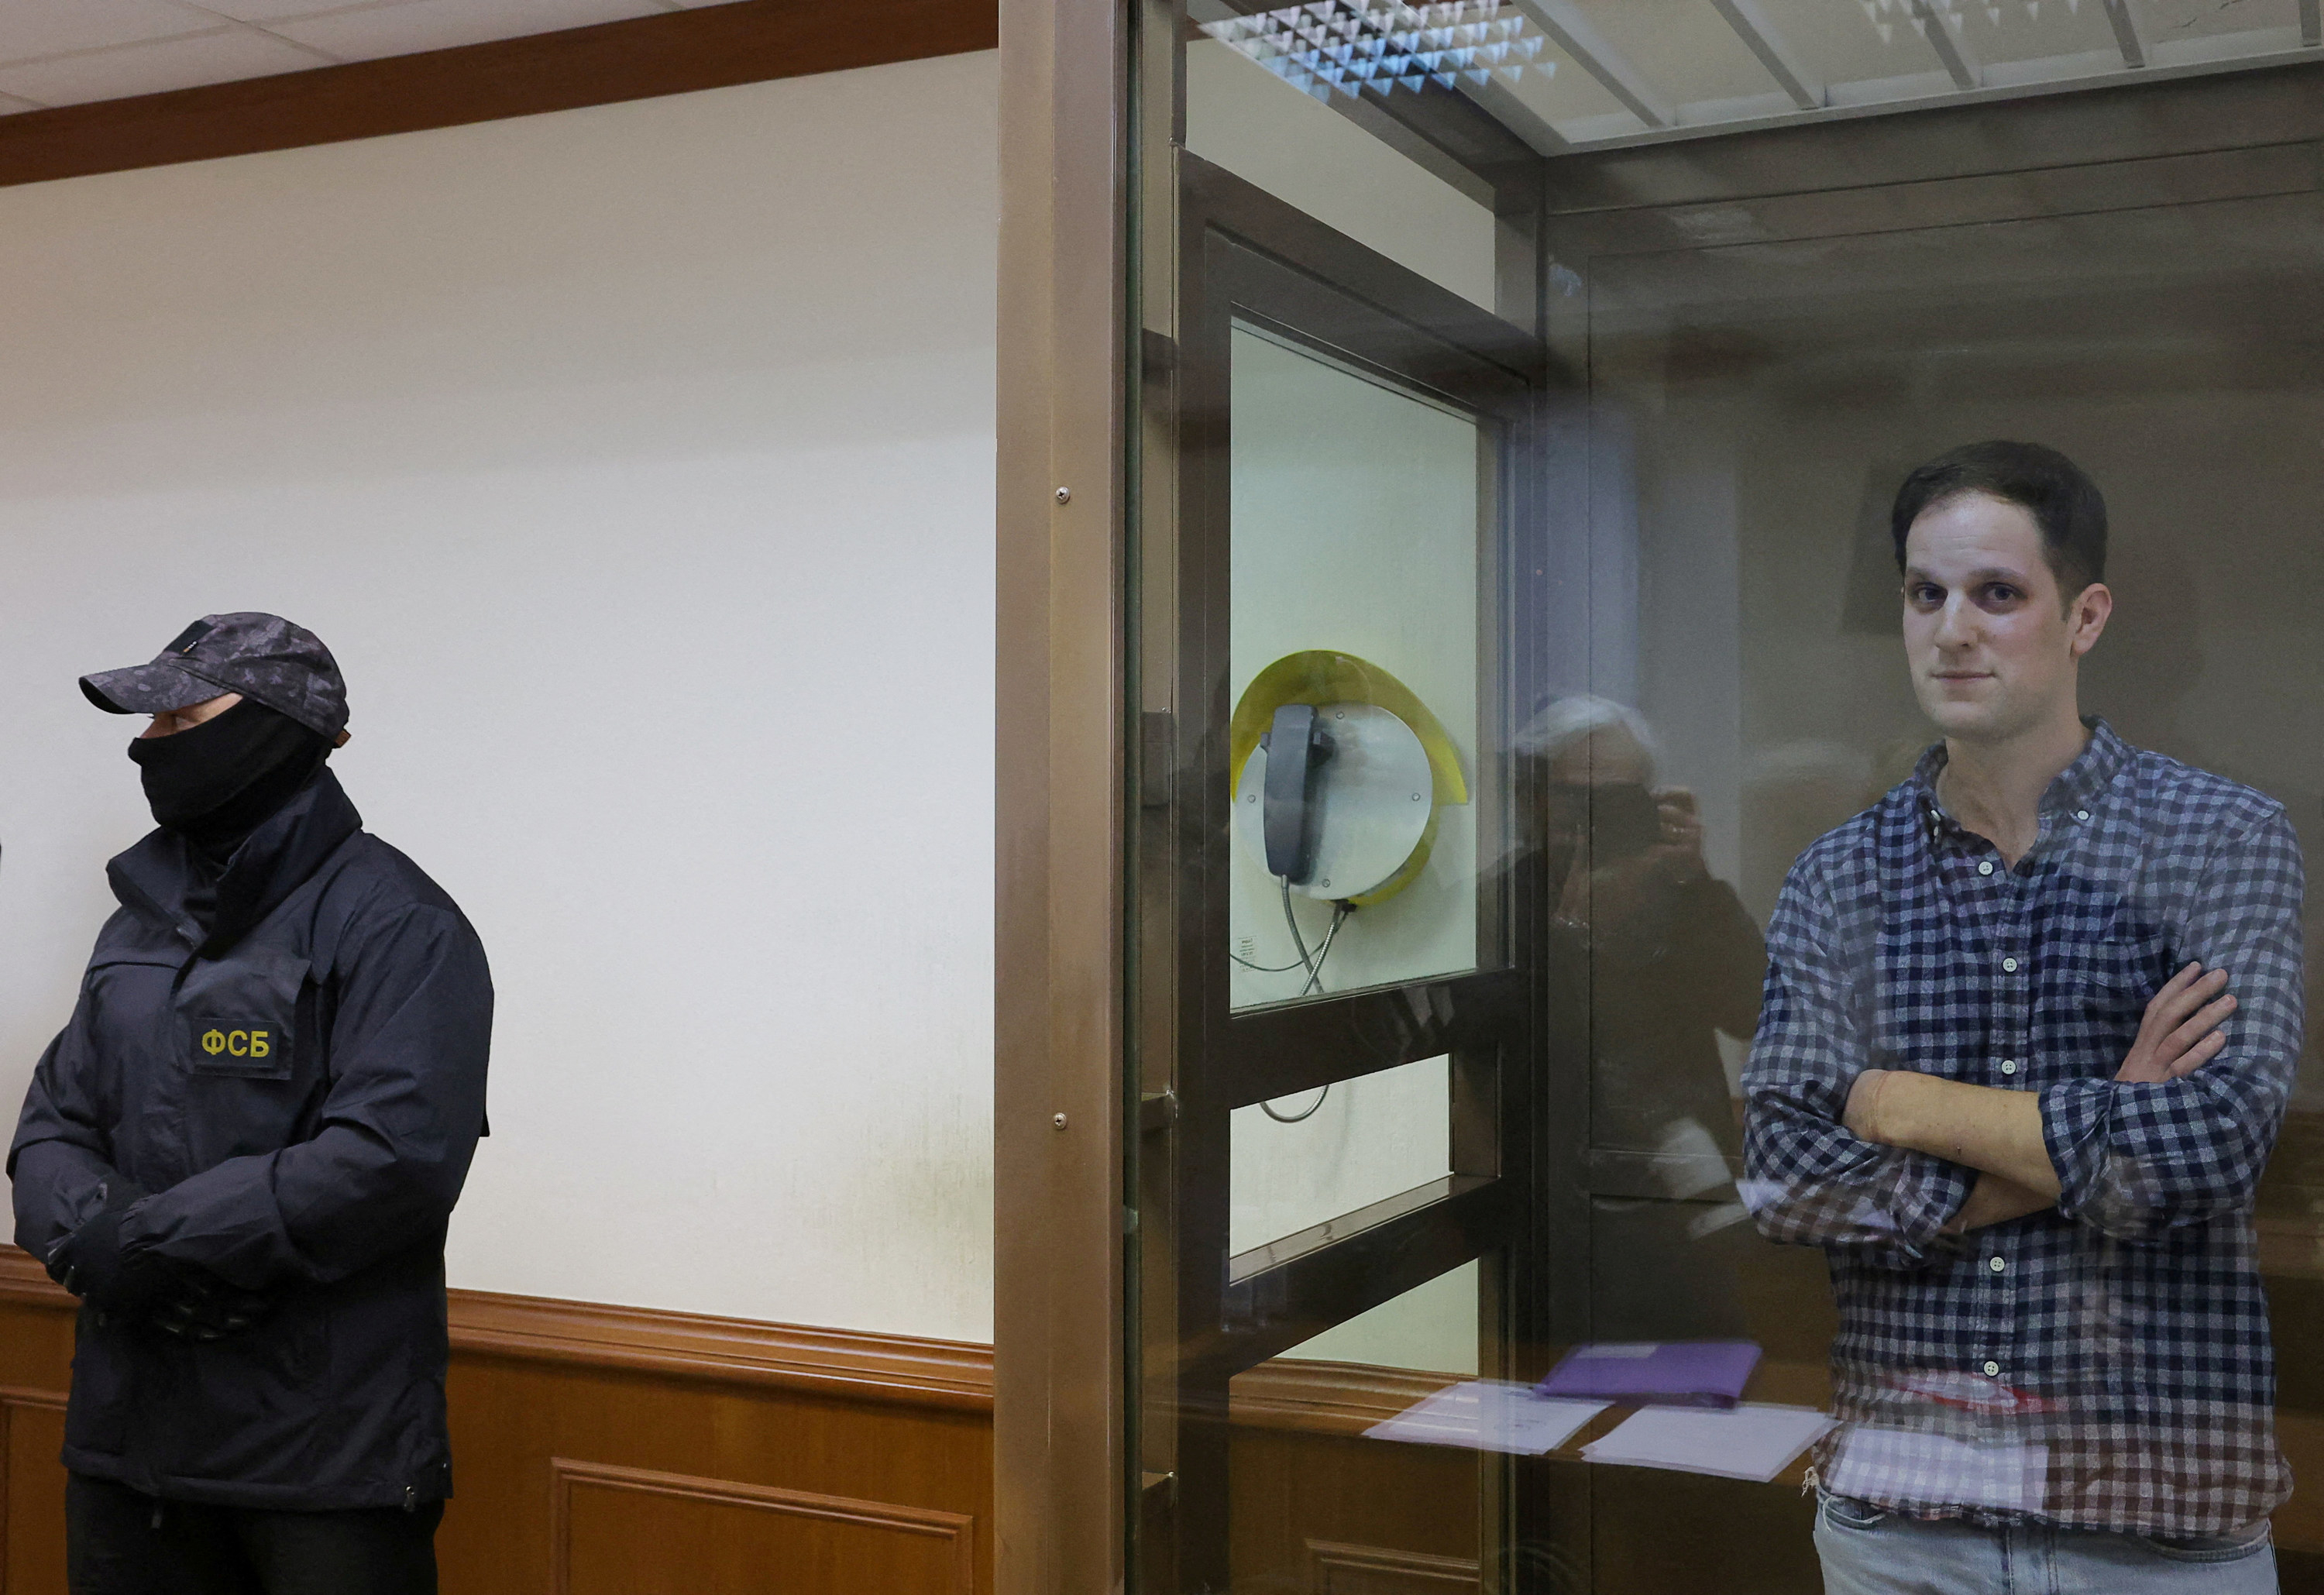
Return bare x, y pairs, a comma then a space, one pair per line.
2009, 965
1992, 1371
1997, 1265
2009, 1065
2081, 813
1986, 868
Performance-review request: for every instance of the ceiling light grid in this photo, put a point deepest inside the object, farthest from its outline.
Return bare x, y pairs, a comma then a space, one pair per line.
1328, 47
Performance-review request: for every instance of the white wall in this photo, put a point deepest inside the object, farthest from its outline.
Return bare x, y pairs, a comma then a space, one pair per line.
637, 463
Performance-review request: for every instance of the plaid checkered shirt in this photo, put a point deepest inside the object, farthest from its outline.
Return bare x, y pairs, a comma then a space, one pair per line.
2103, 1363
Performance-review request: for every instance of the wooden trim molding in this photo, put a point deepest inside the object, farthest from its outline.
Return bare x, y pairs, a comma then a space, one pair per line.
1336, 1569
894, 1370
672, 52
957, 1530
15, 1396
1328, 1398
885, 1367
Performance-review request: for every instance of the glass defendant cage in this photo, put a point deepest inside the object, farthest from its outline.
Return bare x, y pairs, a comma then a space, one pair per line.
1518, 390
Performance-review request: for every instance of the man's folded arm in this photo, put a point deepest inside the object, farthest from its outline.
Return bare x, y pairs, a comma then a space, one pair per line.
396, 1131
1997, 1200
1995, 1131
1808, 1179
2139, 1160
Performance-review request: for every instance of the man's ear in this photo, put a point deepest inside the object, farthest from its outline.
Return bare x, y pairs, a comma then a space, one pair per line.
2087, 616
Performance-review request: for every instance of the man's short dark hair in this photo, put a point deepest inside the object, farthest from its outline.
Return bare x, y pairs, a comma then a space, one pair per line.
2064, 503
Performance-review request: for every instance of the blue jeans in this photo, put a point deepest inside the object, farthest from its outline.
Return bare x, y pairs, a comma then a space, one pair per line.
1869, 1552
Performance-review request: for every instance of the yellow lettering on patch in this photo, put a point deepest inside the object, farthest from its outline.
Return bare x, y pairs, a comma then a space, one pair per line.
259, 1044
214, 1043
238, 1044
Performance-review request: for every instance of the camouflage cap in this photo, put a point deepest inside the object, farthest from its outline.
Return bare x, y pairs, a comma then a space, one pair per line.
260, 656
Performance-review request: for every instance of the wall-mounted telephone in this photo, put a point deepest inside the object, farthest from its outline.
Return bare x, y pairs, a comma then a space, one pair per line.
1339, 773
1296, 746
1339, 770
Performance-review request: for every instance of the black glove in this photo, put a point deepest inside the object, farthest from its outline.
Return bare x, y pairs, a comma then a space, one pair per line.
90, 1263
198, 1305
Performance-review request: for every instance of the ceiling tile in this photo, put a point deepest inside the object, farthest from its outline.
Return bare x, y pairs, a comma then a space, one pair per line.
267, 11
218, 57
49, 27
408, 25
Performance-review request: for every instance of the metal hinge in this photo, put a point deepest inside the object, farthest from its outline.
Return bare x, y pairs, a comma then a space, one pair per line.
1157, 1110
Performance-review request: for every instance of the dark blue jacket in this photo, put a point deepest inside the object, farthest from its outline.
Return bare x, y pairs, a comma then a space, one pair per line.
301, 1091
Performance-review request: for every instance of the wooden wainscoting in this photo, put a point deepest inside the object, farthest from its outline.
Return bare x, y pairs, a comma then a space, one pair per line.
1320, 1510
618, 1451
619, 1529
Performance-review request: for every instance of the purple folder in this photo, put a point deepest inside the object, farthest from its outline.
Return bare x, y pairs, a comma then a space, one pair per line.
1643, 1373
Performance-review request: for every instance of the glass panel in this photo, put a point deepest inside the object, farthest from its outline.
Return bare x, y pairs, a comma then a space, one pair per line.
1250, 122
1355, 531
1880, 640
1431, 1328
1342, 1146
1321, 1499
1768, 400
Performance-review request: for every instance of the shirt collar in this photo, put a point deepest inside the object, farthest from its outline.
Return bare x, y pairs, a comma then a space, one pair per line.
2075, 787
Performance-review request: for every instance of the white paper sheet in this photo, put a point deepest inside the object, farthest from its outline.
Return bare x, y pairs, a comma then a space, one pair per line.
1887, 1465
1488, 1415
1753, 1440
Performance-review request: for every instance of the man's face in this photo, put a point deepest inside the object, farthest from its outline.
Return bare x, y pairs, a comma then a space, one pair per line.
170, 722
1993, 646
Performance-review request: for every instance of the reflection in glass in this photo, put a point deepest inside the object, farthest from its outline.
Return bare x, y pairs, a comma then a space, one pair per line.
1699, 607
1315, 1499
1257, 126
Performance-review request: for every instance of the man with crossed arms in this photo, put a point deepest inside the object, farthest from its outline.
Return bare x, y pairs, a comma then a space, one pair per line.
2002, 1080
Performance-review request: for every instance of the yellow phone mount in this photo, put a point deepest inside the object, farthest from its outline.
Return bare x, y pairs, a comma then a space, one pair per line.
1372, 803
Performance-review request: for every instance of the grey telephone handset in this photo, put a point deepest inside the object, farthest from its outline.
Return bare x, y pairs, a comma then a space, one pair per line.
1297, 746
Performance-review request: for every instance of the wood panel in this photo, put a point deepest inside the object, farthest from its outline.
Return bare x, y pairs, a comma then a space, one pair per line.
1295, 1489
32, 1491
1367, 1570
627, 1531
618, 1451
672, 52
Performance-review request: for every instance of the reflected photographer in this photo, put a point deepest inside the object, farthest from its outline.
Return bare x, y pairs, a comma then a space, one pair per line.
1660, 957
2030, 1023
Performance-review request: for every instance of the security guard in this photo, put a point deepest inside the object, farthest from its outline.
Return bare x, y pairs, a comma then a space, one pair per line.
243, 1151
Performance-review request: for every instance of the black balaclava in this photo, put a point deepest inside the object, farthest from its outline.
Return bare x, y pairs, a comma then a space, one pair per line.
217, 782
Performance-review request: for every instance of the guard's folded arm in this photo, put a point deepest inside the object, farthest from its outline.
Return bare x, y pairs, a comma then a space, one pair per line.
397, 1131
60, 1163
